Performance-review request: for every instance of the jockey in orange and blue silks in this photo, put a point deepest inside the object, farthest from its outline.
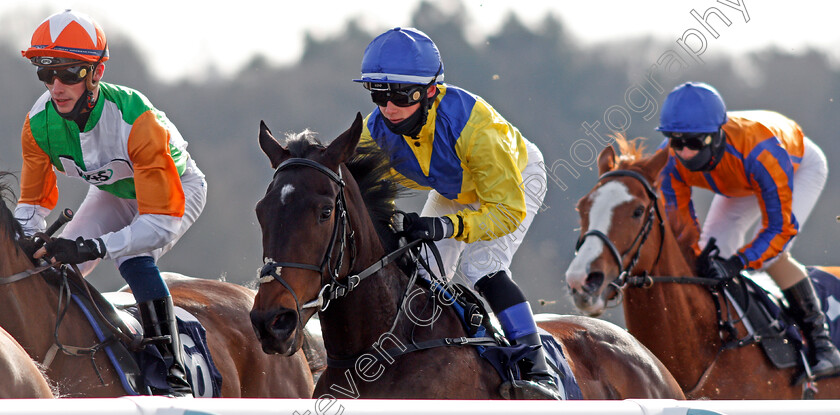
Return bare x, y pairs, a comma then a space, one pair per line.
446, 139
758, 164
144, 191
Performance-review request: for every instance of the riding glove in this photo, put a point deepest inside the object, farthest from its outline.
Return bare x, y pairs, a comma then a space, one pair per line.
720, 268
427, 228
75, 252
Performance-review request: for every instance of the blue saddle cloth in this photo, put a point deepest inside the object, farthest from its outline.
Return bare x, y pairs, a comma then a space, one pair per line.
828, 290
202, 374
504, 358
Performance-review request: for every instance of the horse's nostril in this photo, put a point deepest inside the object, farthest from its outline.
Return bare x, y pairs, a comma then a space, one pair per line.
284, 321
593, 282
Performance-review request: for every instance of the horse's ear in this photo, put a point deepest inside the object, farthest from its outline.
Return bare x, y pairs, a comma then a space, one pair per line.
655, 164
606, 160
344, 145
269, 145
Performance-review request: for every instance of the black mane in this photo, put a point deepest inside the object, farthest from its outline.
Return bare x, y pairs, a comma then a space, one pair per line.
371, 169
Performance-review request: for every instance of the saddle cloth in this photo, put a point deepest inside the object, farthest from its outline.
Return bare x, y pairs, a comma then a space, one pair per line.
765, 319
504, 358
202, 374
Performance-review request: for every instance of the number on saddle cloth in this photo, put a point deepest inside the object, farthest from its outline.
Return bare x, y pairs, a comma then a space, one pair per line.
204, 377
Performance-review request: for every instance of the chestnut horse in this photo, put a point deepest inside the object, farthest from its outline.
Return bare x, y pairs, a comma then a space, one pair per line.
29, 312
319, 220
19, 377
624, 233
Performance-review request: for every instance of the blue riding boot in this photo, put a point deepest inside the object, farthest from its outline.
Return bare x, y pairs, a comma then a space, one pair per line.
514, 314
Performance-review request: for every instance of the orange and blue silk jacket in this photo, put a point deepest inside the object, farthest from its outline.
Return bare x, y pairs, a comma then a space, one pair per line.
763, 150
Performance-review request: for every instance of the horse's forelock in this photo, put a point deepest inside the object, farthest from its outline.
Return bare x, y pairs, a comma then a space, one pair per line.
630, 151
303, 143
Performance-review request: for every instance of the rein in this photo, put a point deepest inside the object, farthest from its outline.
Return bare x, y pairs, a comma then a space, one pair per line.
641, 237
726, 328
334, 289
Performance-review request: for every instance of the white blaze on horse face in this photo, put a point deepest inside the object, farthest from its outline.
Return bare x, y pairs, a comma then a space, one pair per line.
604, 201
286, 192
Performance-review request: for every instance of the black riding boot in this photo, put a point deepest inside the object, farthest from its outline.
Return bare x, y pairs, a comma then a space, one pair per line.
534, 367
158, 320
804, 306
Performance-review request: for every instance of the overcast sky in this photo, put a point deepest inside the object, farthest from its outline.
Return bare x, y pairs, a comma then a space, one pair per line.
183, 36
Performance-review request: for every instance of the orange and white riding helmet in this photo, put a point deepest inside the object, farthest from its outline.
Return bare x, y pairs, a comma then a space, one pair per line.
65, 37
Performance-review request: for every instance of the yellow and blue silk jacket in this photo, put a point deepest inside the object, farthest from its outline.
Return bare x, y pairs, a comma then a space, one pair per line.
468, 153
763, 150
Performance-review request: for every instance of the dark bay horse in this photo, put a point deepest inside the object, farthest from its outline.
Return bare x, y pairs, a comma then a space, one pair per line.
676, 321
320, 219
29, 311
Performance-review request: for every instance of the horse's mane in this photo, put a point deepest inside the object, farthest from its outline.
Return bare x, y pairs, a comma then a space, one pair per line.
631, 154
8, 222
371, 169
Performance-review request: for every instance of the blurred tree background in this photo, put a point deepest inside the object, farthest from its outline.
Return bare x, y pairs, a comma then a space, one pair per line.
539, 77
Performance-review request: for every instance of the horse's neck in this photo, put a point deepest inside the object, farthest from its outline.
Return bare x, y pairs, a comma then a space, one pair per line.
28, 306
675, 321
354, 323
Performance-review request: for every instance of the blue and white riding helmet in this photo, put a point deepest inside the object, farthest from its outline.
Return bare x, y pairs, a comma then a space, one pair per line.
402, 56
696, 108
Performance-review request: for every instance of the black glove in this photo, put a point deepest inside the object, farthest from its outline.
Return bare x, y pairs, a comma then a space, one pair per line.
720, 268
704, 259
75, 252
428, 228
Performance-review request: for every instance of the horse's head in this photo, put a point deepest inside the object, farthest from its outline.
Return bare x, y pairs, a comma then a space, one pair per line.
616, 217
306, 236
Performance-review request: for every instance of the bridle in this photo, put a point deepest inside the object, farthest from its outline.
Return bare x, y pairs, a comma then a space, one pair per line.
653, 215
342, 233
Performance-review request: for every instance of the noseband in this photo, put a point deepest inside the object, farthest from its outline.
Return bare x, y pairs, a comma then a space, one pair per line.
641, 237
333, 289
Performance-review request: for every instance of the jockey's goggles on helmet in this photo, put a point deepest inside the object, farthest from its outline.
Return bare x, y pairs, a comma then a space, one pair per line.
693, 141
69, 75
402, 95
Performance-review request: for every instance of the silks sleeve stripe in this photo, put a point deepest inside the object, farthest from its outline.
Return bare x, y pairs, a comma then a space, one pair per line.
156, 178
37, 182
776, 200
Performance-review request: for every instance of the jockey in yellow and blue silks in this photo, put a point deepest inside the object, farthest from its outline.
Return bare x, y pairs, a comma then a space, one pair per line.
144, 190
758, 164
442, 138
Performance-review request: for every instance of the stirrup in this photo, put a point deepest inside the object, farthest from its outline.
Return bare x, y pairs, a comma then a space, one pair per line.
526, 389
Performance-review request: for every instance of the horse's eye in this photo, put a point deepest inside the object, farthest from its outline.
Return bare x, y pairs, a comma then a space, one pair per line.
326, 212
638, 212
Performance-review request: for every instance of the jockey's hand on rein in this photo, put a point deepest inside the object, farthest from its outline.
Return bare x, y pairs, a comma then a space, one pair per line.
75, 252
720, 268
426, 227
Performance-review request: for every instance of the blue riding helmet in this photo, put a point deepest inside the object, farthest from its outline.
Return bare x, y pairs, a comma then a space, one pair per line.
693, 107
402, 55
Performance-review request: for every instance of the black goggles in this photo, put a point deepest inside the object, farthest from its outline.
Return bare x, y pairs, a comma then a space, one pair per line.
69, 75
692, 141
402, 95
